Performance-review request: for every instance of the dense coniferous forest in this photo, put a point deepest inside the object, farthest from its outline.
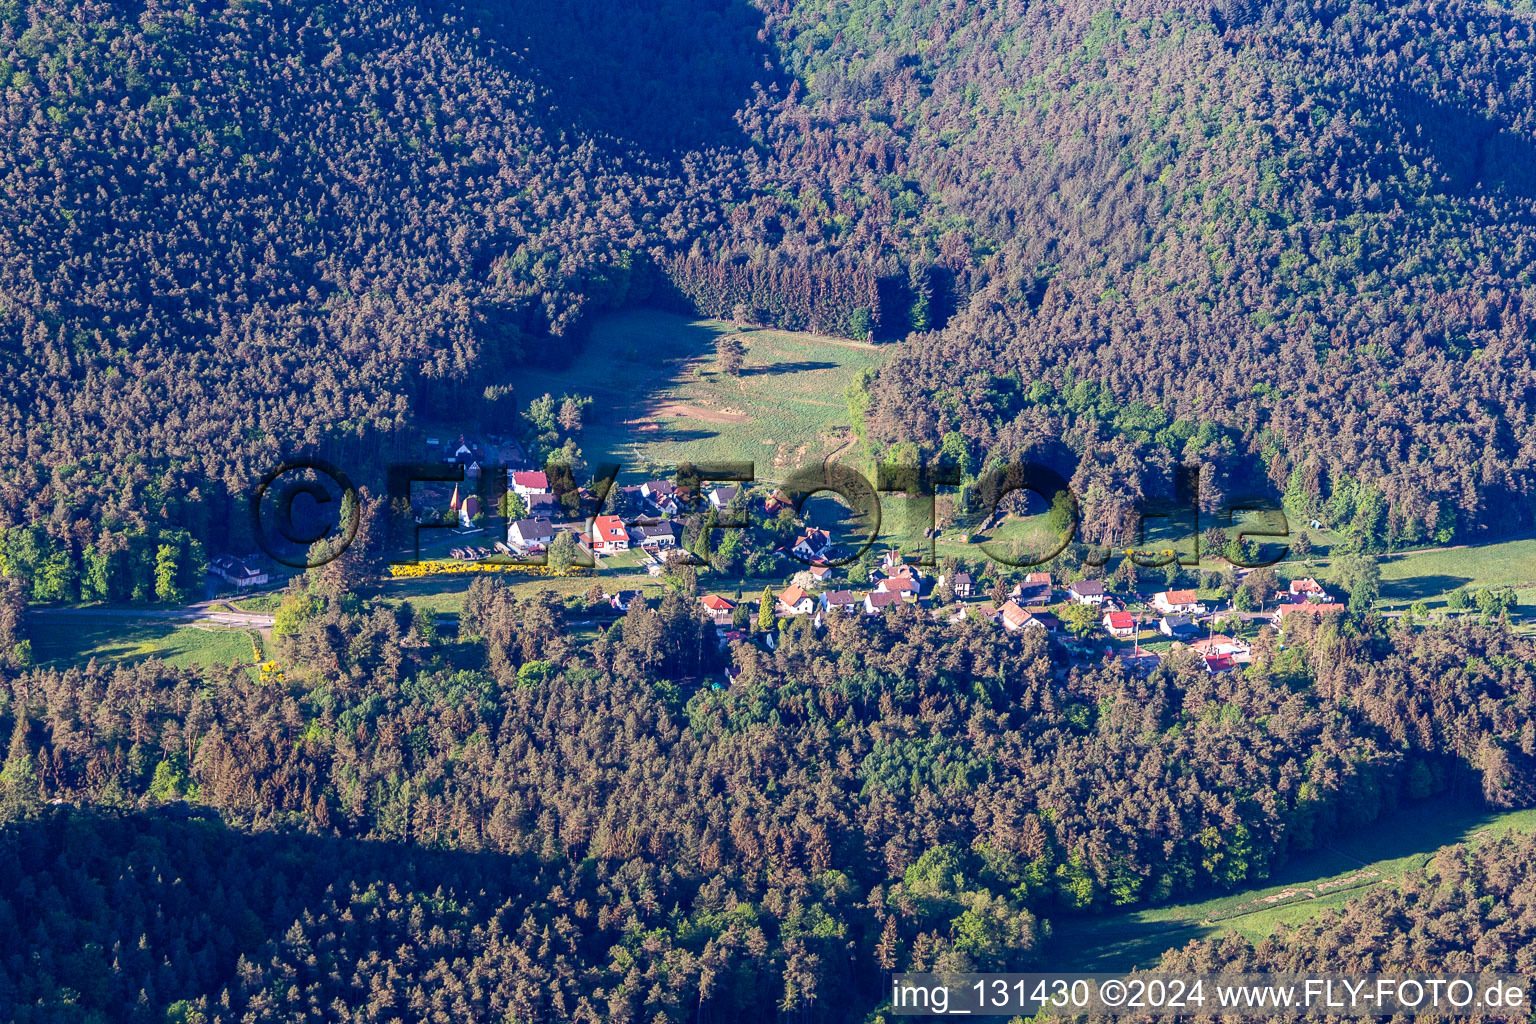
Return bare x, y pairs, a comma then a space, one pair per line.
1287, 242
533, 828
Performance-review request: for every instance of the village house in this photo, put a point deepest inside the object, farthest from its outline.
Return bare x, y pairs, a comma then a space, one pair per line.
242, 573
811, 544
543, 506
1316, 609
718, 609
1217, 663
1046, 621
877, 601
530, 534
1087, 592
1032, 593
1120, 625
795, 601
528, 482
819, 573
466, 453
609, 535
1177, 602
1306, 589
1177, 626
721, 497
1015, 618
1219, 643
655, 536
840, 601
960, 584
661, 495
907, 587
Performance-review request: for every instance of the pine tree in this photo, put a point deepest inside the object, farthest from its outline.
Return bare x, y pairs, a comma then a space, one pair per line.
18, 779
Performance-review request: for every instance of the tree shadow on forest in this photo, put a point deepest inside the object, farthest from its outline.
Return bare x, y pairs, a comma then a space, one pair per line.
200, 894
669, 76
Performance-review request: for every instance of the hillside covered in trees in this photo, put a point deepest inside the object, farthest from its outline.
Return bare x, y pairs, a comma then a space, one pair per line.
514, 824
1288, 242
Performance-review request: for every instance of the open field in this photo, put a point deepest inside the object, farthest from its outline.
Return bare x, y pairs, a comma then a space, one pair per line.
1373, 855
659, 401
1430, 575
119, 639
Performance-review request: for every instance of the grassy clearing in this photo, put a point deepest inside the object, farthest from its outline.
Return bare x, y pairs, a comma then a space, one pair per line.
1431, 575
117, 639
659, 400
1401, 843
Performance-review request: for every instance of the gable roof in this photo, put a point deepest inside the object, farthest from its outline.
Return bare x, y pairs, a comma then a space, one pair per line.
608, 529
1038, 577
716, 603
1087, 588
841, 597
1015, 615
534, 479
534, 529
882, 598
1120, 620
793, 595
1179, 597
898, 585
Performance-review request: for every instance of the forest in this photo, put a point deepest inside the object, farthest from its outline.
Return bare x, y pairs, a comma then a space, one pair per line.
517, 824
1289, 243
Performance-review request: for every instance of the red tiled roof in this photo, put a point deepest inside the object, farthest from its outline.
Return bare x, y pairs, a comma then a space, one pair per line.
792, 596
530, 478
1179, 597
716, 603
1120, 620
609, 528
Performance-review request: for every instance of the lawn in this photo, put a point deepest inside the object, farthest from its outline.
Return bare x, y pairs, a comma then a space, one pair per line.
1430, 575
119, 639
1375, 855
659, 401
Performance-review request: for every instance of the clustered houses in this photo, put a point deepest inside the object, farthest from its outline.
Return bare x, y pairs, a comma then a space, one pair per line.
1177, 615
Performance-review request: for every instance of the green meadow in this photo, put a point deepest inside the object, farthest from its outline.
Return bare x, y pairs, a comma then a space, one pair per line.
59, 643
658, 399
1377, 854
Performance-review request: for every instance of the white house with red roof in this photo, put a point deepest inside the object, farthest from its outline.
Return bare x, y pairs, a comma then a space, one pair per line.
1313, 609
907, 587
1178, 602
1016, 618
609, 534
795, 601
1120, 624
528, 482
718, 609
